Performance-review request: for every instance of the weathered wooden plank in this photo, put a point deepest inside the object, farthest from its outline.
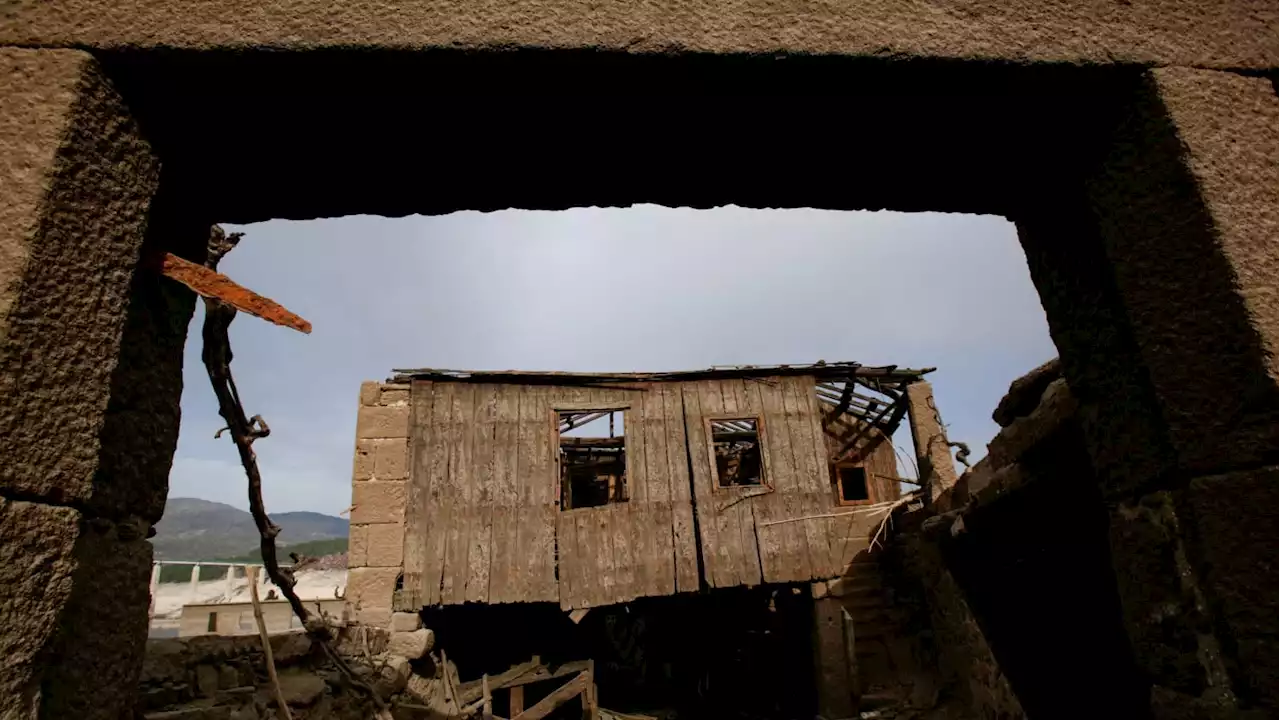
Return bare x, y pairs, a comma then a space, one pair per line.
568, 556
527, 515
809, 446
480, 551
736, 400
639, 504
657, 541
417, 500
440, 502
506, 497
719, 511
691, 393
585, 572
462, 484
622, 528
558, 697
683, 550
602, 537
545, 492
787, 548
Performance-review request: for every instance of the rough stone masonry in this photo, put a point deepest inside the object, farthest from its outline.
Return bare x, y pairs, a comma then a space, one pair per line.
1134, 146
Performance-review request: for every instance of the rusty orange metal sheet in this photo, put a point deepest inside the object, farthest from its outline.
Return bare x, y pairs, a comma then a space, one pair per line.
211, 284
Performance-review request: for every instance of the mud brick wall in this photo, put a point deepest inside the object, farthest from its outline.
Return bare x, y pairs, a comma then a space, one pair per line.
380, 474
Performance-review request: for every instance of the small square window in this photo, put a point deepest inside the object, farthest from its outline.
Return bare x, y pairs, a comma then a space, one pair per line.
736, 445
593, 458
213, 622
851, 485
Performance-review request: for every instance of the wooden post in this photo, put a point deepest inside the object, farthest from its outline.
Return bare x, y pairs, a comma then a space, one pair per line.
590, 708
517, 701
486, 709
831, 648
155, 588
266, 646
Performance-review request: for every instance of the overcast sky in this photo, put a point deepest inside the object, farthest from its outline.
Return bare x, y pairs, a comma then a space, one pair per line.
641, 288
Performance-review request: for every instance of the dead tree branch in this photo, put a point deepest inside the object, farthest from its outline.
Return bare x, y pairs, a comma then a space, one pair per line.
244, 430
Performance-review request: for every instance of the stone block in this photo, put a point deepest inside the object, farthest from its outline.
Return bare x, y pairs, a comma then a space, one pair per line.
370, 391
394, 395
364, 461
1186, 208
391, 459
1025, 393
382, 422
385, 545
74, 590
358, 546
1158, 593
393, 676
370, 591
411, 645
78, 181
1056, 408
405, 622
206, 680
1234, 518
301, 688
377, 502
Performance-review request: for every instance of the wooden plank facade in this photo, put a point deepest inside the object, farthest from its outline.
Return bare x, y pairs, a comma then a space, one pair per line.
483, 522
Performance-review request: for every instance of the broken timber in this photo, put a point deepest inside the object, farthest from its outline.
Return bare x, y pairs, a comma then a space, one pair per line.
212, 284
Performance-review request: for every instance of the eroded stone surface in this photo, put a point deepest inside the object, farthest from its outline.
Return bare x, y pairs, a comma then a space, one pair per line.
1223, 34
82, 179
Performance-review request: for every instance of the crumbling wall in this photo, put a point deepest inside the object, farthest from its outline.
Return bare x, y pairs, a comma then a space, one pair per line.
379, 479
216, 676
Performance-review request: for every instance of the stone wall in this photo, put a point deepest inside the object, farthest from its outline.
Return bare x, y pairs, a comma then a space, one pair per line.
379, 479
215, 677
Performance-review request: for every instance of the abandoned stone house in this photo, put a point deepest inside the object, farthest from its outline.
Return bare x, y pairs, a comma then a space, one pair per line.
584, 491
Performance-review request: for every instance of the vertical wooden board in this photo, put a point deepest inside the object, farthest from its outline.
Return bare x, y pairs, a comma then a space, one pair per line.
418, 498
808, 446
684, 553
792, 553
484, 434
602, 536
746, 556
657, 543
623, 526
585, 572
719, 511
531, 419
506, 499
462, 484
545, 494
768, 537
638, 506
439, 495
691, 394
567, 555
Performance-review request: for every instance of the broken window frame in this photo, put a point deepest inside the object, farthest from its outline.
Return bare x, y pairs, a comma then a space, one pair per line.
837, 483
766, 482
556, 411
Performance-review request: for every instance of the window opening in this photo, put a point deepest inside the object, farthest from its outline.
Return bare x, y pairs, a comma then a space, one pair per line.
213, 622
851, 485
736, 444
593, 458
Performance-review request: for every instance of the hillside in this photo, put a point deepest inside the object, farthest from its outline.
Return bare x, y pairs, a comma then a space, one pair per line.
193, 529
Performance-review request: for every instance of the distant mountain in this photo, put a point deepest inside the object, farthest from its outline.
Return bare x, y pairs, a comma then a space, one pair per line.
194, 529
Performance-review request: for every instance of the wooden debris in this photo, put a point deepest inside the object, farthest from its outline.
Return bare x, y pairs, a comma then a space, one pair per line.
558, 697
266, 640
577, 615
211, 284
